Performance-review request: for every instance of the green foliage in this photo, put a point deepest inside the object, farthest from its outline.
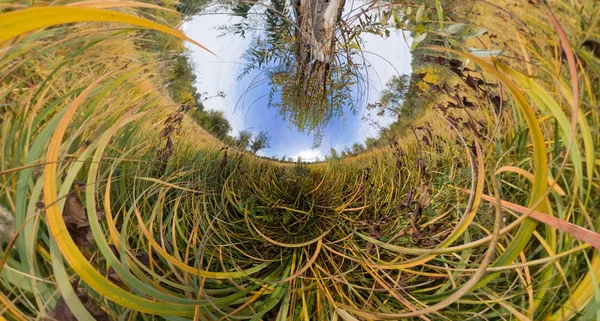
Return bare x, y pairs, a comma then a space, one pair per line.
191, 7
181, 82
395, 92
357, 148
214, 122
393, 96
260, 141
476, 222
307, 92
242, 141
333, 154
371, 142
178, 72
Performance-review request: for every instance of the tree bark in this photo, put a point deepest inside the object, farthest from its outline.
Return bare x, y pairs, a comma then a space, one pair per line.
316, 26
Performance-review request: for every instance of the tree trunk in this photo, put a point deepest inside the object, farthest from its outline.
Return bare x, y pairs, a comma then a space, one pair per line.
316, 22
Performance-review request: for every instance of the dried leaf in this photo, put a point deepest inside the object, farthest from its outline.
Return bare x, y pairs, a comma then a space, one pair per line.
99, 213
62, 312
424, 196
74, 213
427, 243
76, 218
416, 235
420, 163
113, 276
376, 233
7, 226
370, 247
144, 258
81, 236
408, 199
415, 221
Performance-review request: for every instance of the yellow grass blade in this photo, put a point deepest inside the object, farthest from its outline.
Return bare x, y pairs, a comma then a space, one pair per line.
22, 21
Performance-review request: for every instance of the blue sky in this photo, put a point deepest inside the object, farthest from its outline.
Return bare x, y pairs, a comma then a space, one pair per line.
387, 57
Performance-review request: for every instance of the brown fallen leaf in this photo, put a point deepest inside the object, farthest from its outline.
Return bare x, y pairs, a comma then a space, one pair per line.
81, 236
421, 166
408, 199
113, 276
370, 247
376, 234
416, 235
427, 243
414, 222
62, 312
76, 219
74, 213
424, 196
144, 258
7, 226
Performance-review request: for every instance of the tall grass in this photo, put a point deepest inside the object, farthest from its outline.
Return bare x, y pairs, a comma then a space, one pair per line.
125, 210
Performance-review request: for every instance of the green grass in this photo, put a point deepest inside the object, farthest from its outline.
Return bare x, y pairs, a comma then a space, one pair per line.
180, 227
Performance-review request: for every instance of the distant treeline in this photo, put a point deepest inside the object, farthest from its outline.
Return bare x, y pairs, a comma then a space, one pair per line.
178, 77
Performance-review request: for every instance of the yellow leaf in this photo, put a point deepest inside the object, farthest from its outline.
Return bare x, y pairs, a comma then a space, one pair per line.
18, 22
104, 4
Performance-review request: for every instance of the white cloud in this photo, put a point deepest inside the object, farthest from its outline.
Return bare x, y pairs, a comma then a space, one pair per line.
388, 57
309, 155
218, 73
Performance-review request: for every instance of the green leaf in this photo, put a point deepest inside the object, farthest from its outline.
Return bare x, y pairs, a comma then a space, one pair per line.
419, 17
486, 53
475, 33
440, 13
418, 39
454, 28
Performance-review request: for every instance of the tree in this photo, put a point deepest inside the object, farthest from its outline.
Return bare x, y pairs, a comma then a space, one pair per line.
357, 148
261, 141
393, 95
311, 77
181, 82
243, 140
191, 7
348, 152
395, 91
371, 142
333, 153
215, 123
